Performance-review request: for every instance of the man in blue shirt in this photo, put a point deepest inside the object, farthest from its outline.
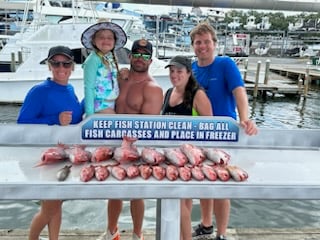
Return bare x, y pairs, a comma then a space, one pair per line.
221, 79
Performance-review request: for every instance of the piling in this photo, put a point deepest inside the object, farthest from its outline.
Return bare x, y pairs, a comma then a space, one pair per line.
306, 80
266, 73
255, 90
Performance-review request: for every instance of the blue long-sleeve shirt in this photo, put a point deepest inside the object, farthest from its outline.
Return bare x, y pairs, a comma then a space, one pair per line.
45, 101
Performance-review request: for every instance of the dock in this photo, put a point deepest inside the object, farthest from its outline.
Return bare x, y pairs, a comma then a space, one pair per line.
232, 234
277, 78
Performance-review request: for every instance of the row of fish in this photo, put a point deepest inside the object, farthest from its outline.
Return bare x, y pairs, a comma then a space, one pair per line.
164, 162
170, 172
128, 153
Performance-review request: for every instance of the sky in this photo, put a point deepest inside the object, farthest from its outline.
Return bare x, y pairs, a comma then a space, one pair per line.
163, 9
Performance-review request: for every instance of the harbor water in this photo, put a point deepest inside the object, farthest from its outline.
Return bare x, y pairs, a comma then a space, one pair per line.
280, 112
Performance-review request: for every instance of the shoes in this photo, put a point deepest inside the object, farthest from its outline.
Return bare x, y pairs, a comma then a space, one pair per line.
221, 237
108, 236
135, 237
201, 232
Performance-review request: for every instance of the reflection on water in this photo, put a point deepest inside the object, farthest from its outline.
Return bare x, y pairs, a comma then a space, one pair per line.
287, 112
91, 214
277, 113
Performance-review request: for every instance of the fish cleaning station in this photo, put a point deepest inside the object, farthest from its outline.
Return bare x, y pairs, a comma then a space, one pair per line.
281, 164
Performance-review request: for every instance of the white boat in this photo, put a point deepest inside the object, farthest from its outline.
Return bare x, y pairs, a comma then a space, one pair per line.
251, 23
264, 24
263, 48
30, 47
33, 69
234, 45
70, 11
235, 24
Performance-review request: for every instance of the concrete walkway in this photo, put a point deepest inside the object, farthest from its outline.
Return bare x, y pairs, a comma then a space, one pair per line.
233, 234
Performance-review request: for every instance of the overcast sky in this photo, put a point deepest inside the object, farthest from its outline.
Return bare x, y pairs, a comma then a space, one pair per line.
163, 9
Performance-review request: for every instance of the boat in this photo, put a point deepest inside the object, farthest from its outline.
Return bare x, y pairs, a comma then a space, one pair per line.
235, 24
296, 26
263, 49
235, 45
250, 25
25, 53
57, 12
264, 24
33, 68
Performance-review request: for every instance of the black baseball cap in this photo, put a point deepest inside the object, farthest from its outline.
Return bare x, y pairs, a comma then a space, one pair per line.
142, 44
60, 50
180, 62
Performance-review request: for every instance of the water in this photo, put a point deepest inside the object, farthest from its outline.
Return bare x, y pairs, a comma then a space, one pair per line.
278, 113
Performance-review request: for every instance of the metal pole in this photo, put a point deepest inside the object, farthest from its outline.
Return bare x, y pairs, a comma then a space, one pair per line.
157, 36
13, 62
158, 220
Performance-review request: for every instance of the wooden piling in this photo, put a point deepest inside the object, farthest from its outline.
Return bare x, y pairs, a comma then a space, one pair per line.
266, 73
255, 90
300, 83
306, 80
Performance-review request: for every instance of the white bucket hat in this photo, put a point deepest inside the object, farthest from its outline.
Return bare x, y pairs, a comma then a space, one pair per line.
121, 37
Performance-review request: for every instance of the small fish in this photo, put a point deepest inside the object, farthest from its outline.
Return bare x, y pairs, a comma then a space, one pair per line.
222, 173
185, 173
53, 155
78, 154
172, 172
87, 173
133, 171
197, 173
102, 153
101, 172
237, 173
118, 172
145, 171
194, 154
209, 172
175, 156
158, 172
217, 156
63, 173
127, 152
152, 156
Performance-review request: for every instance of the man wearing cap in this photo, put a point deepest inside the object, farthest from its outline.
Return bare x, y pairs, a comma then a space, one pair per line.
52, 102
139, 94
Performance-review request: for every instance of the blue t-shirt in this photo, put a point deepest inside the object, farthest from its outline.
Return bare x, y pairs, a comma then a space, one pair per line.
219, 79
45, 101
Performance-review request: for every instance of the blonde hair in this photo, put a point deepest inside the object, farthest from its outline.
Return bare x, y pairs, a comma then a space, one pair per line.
202, 28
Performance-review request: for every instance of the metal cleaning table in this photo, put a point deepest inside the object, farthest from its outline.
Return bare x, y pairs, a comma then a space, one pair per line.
282, 164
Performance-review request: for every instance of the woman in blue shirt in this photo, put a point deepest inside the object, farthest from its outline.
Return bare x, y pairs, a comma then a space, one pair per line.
52, 102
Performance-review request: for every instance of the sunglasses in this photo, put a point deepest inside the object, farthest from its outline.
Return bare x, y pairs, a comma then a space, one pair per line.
57, 64
145, 56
